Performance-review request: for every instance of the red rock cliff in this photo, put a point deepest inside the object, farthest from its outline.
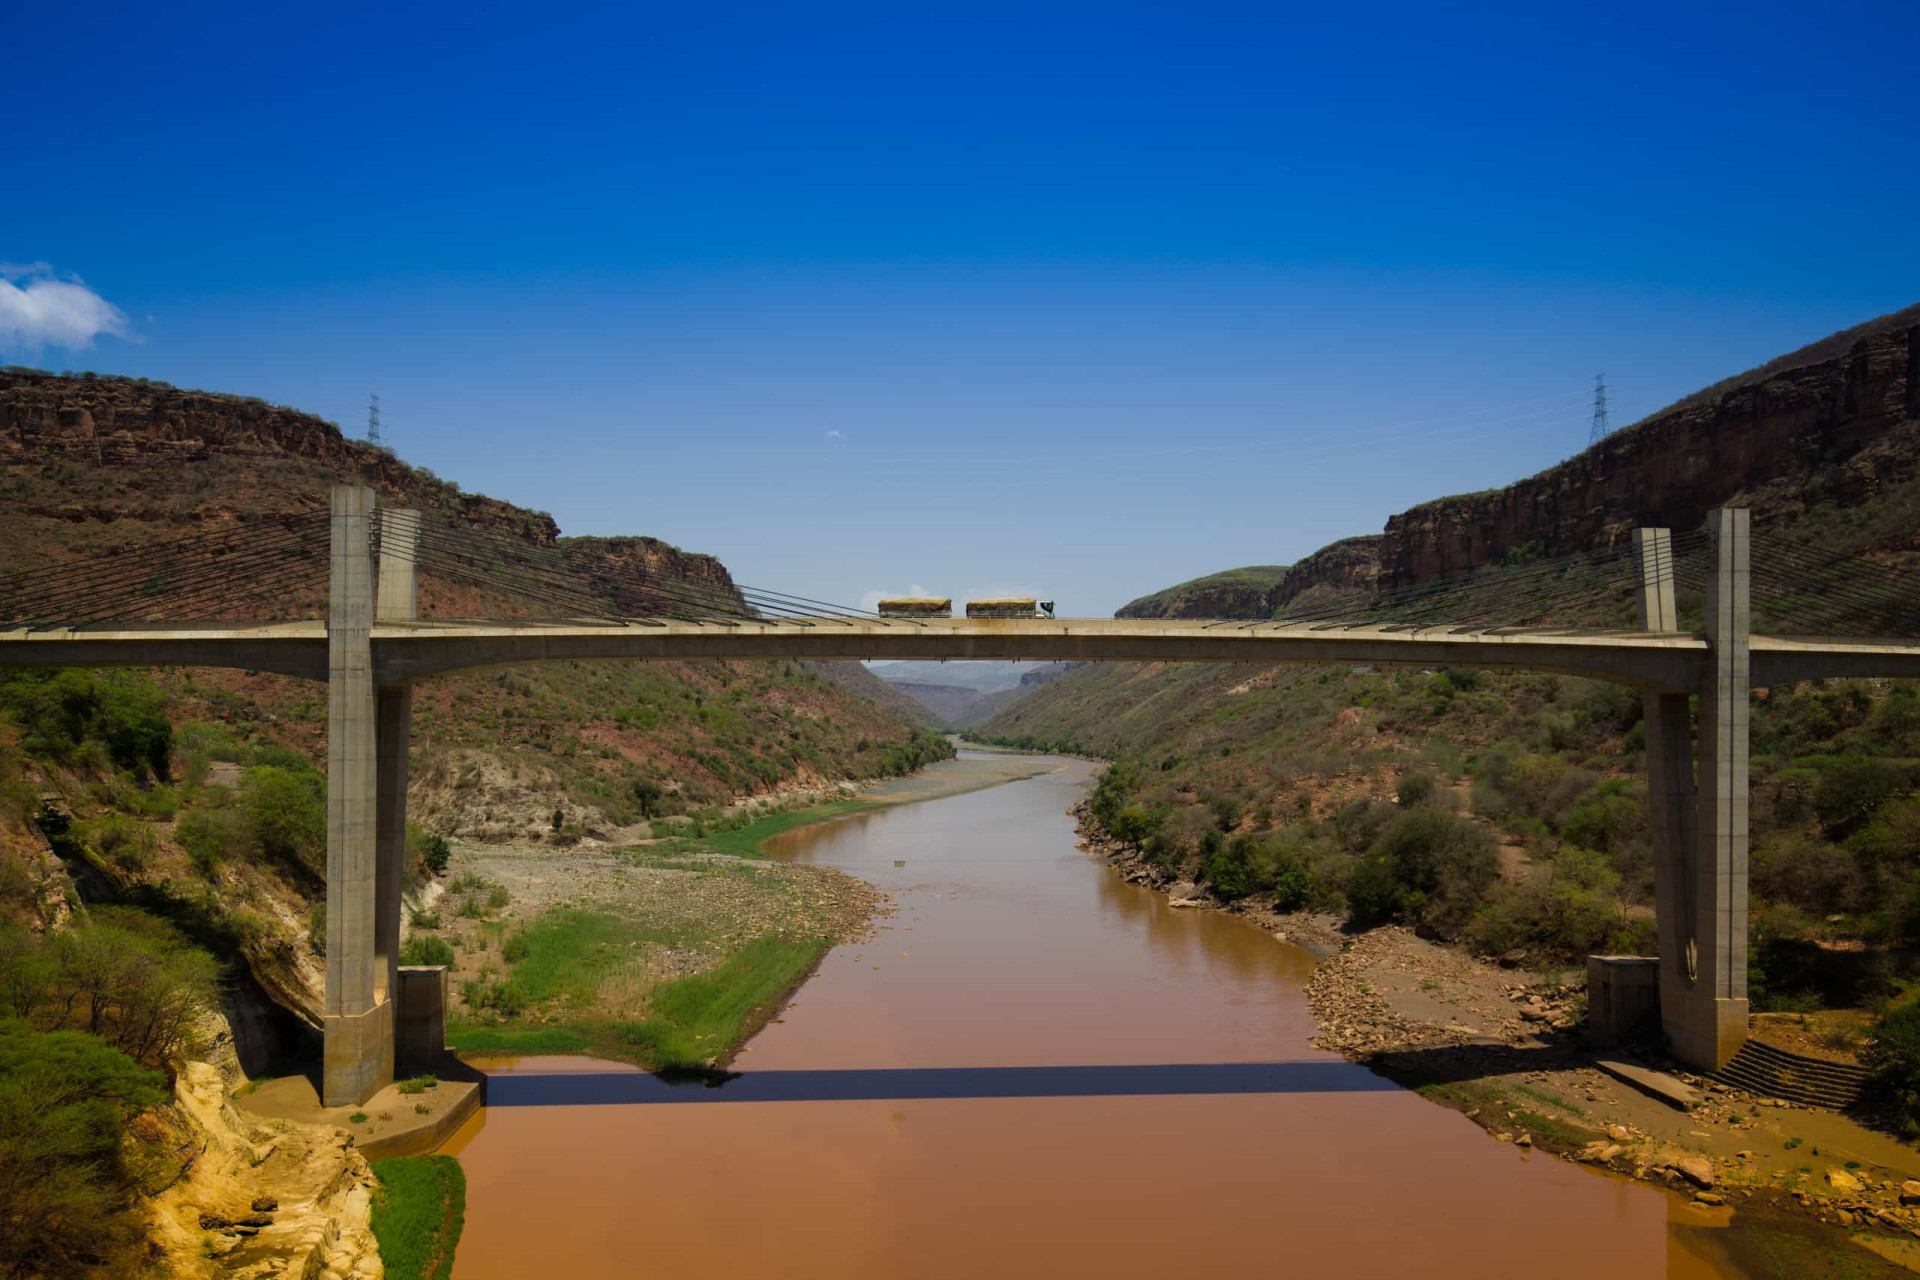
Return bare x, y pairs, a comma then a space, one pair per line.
1671, 469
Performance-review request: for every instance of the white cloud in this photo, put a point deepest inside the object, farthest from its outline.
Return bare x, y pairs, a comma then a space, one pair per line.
833, 435
38, 309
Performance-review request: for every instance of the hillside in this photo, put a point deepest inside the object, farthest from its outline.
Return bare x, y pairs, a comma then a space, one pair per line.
1507, 810
982, 675
90, 466
964, 693
1233, 593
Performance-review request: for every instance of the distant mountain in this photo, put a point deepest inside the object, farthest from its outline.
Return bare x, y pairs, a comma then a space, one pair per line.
959, 706
1232, 593
982, 677
948, 703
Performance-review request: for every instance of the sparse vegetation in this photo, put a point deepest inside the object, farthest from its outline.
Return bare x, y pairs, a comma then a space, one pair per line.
1215, 777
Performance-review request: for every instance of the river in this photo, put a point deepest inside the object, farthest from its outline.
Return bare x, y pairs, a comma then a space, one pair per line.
1031, 1069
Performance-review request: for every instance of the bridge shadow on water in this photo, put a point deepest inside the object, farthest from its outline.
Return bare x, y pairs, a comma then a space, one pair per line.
625, 1088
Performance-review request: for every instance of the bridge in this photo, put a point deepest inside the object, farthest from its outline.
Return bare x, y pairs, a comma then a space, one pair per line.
361, 570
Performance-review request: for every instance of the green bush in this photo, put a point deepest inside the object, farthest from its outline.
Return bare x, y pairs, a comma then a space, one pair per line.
120, 974
60, 711
288, 812
212, 836
1426, 867
66, 1191
1851, 789
426, 949
432, 849
1416, 788
515, 949
1893, 1055
1132, 825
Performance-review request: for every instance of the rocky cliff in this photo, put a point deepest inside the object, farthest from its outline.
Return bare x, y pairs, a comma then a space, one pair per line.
202, 456
1341, 570
1792, 419
1234, 593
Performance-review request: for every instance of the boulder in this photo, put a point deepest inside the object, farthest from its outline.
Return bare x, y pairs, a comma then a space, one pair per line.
1910, 1193
1697, 1170
1841, 1180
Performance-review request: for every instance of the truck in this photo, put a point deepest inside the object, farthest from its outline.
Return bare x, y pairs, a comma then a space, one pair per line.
917, 607
1010, 607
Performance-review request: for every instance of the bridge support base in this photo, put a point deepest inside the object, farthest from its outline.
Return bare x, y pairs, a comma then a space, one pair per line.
1697, 806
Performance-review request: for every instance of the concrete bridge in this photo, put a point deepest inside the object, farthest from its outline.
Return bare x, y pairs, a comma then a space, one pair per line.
372, 646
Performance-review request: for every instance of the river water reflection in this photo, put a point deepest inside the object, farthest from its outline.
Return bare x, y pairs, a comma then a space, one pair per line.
1031, 1069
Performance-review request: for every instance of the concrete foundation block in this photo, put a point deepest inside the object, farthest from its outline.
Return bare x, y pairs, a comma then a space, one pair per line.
359, 1057
420, 1031
1706, 1031
1621, 990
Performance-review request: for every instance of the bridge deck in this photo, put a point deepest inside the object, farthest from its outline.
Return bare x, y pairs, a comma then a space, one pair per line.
411, 651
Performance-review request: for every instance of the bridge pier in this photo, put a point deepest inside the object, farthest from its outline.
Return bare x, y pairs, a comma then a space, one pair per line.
367, 735
1697, 803
359, 1013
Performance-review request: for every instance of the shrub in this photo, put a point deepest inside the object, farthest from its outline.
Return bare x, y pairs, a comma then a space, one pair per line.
1416, 788
211, 836
515, 949
1608, 817
1427, 867
1132, 825
288, 812
418, 1084
1851, 788
1893, 1055
426, 950
131, 979
65, 1098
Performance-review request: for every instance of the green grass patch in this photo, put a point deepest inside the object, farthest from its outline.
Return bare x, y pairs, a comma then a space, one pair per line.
418, 1084
745, 842
1494, 1101
1549, 1098
418, 1213
473, 1039
569, 952
703, 1017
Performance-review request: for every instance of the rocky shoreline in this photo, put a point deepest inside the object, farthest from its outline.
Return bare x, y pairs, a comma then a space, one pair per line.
1502, 1046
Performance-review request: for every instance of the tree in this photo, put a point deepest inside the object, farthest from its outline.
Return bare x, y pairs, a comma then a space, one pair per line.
288, 810
65, 1098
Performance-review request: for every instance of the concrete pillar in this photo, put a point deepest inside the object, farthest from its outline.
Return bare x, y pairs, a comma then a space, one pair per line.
399, 547
420, 1026
395, 602
359, 1020
1715, 1026
1668, 724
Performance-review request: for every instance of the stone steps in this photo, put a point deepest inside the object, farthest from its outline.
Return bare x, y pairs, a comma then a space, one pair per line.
1778, 1073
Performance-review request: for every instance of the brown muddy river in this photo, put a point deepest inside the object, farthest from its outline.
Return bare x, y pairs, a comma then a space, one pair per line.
1032, 1069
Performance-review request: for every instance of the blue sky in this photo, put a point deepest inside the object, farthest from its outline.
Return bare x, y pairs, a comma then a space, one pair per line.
1076, 300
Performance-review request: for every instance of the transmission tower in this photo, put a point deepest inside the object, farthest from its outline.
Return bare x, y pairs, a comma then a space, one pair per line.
1600, 427
373, 420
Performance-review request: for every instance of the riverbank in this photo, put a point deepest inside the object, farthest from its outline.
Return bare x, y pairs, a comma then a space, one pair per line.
668, 953
1502, 1047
